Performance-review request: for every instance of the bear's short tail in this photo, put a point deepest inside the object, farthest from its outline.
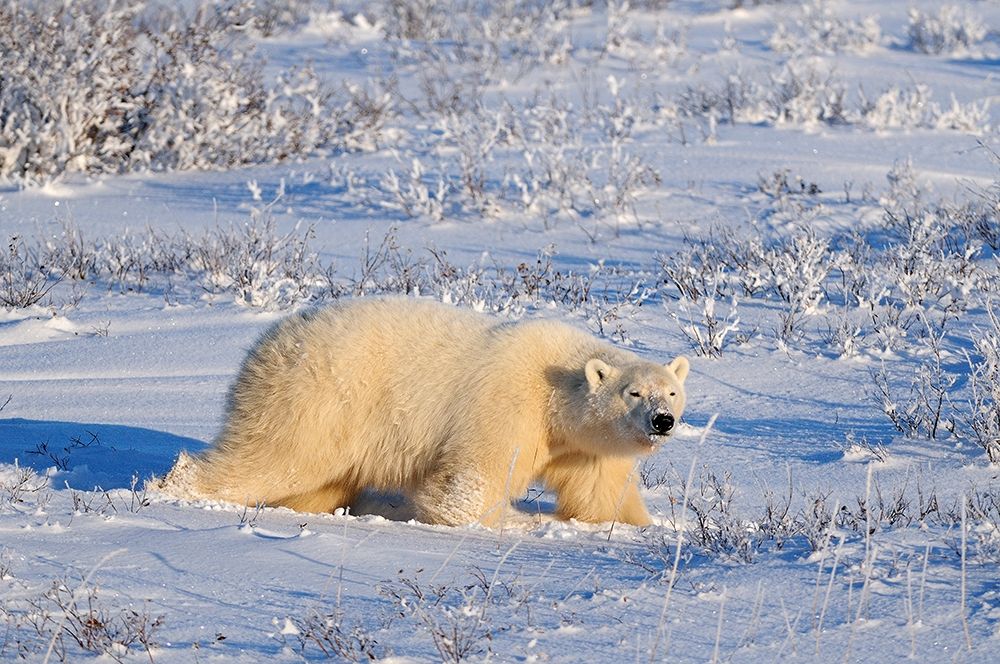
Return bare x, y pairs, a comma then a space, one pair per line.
180, 481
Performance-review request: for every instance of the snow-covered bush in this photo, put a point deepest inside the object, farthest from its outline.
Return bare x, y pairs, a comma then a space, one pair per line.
254, 262
845, 332
417, 20
928, 268
799, 93
694, 272
65, 84
631, 40
497, 40
99, 87
779, 184
261, 267
416, 196
458, 620
982, 418
799, 268
804, 95
908, 108
270, 17
983, 513
617, 37
898, 108
71, 620
21, 488
716, 528
24, 280
619, 186
952, 30
329, 633
926, 411
553, 179
819, 30
971, 118
708, 328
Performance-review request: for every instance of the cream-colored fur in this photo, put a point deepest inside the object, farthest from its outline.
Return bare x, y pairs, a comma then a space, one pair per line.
454, 408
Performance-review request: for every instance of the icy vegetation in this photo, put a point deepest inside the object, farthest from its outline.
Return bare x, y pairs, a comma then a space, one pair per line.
802, 197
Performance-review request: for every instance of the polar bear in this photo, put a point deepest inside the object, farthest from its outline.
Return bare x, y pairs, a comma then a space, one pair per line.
457, 410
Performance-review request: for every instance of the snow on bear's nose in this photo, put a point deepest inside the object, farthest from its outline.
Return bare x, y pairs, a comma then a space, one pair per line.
662, 423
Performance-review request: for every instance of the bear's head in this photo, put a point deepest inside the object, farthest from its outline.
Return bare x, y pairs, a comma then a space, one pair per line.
638, 404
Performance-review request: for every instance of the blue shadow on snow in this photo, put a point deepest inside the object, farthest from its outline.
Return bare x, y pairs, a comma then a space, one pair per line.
90, 455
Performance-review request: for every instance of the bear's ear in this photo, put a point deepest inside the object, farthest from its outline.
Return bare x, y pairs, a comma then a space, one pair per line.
597, 371
680, 367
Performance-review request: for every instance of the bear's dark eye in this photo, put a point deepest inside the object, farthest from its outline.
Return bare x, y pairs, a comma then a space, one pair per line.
634, 394
673, 394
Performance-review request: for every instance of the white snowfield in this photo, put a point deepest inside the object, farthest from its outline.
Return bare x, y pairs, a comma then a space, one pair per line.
803, 198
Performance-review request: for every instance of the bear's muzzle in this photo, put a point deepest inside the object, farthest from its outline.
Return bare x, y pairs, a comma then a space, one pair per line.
661, 423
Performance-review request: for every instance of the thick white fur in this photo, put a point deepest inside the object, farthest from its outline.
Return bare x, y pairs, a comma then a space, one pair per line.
457, 410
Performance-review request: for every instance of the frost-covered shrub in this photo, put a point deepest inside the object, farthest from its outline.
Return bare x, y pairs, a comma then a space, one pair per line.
778, 185
804, 95
898, 108
982, 418
799, 268
619, 26
64, 87
261, 267
692, 272
74, 619
926, 410
929, 268
971, 118
254, 262
706, 327
716, 528
417, 20
270, 17
458, 619
819, 30
24, 280
980, 219
632, 40
907, 108
416, 195
739, 98
618, 187
97, 86
498, 40
331, 635
952, 30
363, 115
799, 93
904, 190
845, 333
553, 178
697, 272
794, 94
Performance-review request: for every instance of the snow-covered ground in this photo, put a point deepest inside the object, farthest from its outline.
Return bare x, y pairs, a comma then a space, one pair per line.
803, 198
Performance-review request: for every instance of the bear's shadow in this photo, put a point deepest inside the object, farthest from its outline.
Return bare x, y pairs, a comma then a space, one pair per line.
88, 455
396, 507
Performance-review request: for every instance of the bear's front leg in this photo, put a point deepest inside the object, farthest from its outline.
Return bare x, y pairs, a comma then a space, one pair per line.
460, 496
596, 489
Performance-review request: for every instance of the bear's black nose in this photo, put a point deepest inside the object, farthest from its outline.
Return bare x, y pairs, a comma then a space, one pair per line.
662, 423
